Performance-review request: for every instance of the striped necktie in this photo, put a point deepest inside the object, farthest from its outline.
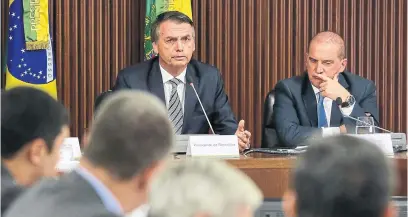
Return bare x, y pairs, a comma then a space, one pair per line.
175, 108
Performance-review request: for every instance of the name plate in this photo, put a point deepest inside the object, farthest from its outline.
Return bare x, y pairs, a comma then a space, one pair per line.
381, 140
213, 145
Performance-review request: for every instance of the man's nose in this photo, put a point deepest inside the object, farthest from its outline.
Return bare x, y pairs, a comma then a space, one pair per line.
319, 68
179, 45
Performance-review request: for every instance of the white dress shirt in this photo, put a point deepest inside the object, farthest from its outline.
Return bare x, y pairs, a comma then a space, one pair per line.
168, 87
327, 103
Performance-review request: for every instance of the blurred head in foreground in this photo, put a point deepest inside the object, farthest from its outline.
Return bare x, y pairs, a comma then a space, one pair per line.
203, 188
341, 176
128, 142
33, 127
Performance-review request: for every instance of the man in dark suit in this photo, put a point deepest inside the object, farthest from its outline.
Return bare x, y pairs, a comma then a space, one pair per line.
33, 127
170, 76
10, 190
305, 106
125, 150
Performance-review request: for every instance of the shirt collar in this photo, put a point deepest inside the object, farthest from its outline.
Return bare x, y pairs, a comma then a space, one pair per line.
315, 89
108, 199
167, 76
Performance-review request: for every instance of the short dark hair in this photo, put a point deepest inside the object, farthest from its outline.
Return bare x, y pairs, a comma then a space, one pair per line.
26, 114
131, 131
342, 176
174, 16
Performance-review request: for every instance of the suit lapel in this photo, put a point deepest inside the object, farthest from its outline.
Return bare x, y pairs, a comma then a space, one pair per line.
155, 81
309, 100
190, 100
343, 81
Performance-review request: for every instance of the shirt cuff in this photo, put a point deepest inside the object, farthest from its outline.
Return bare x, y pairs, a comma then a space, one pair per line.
330, 131
347, 111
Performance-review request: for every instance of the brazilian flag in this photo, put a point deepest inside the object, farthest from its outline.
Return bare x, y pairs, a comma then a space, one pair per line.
30, 59
156, 7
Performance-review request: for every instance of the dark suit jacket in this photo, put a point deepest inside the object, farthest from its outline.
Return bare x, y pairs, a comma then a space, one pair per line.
9, 189
69, 196
295, 108
207, 80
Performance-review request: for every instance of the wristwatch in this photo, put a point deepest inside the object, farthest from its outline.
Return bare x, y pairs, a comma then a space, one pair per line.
350, 100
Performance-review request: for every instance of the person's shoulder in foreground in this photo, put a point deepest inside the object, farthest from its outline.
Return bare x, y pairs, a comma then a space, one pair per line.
10, 190
67, 196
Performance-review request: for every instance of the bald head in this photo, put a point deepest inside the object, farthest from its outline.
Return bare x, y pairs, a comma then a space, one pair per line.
330, 38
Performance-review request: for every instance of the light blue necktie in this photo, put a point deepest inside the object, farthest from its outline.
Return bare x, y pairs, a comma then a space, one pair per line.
321, 113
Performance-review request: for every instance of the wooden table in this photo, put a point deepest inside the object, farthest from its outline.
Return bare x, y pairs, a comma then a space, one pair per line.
271, 173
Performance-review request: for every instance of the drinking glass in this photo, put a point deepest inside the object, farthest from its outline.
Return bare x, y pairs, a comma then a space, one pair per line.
365, 125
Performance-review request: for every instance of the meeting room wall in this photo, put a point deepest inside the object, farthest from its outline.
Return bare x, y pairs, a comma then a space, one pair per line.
254, 43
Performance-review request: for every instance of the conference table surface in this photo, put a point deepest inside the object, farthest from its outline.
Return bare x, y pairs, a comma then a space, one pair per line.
272, 172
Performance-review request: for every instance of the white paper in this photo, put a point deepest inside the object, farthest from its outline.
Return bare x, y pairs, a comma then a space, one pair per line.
67, 166
330, 131
381, 140
73, 144
70, 154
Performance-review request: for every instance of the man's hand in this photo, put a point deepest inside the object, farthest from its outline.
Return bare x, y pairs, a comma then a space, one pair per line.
243, 136
332, 88
343, 129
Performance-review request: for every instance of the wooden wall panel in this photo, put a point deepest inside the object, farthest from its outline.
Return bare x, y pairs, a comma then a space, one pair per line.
261, 42
93, 40
254, 43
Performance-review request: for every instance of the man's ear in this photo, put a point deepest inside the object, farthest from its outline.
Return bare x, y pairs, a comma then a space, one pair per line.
343, 64
390, 210
289, 203
155, 48
37, 149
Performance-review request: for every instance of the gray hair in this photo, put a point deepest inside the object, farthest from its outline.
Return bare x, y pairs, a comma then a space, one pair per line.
131, 131
212, 187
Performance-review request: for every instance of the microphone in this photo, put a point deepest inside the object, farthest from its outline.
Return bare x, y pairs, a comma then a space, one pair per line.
339, 102
190, 82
